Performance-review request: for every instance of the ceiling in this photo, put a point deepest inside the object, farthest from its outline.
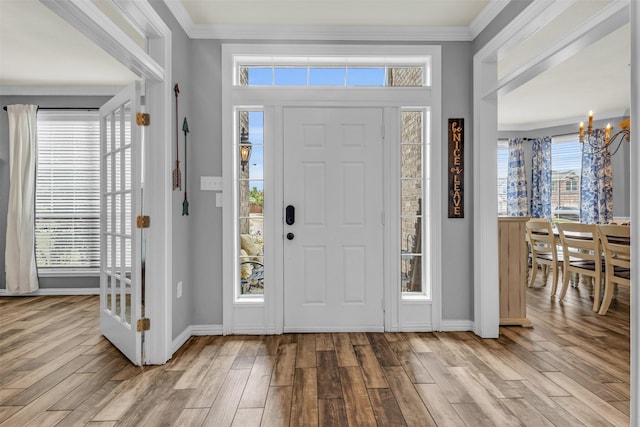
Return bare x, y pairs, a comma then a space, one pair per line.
38, 49
335, 12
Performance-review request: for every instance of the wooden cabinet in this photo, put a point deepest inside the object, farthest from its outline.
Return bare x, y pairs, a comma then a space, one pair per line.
513, 254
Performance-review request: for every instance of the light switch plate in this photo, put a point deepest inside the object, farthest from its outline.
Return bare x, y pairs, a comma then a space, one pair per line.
211, 183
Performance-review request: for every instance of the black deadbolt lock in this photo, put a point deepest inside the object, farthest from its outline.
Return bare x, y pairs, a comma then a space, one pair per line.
290, 215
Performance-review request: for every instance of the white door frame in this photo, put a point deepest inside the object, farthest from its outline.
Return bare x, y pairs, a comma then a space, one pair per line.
486, 89
155, 69
267, 316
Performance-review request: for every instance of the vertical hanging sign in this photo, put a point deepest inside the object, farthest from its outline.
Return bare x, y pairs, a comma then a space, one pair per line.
456, 168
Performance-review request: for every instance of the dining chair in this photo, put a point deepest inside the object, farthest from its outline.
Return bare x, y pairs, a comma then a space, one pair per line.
620, 222
581, 252
616, 242
544, 251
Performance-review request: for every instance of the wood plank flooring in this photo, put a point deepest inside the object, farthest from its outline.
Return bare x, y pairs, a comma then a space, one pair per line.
570, 369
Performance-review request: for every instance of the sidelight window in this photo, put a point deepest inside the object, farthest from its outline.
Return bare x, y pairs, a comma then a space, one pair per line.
412, 206
251, 202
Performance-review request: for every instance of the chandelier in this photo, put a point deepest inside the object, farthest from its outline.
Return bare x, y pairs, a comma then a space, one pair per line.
624, 134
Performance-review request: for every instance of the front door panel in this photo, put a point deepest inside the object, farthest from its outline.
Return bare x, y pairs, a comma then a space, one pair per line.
333, 249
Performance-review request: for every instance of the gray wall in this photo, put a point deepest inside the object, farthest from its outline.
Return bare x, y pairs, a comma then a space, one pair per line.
620, 162
457, 234
206, 225
42, 101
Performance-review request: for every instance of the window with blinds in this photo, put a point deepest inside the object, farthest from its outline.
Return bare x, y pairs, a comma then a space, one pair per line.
503, 166
67, 202
566, 168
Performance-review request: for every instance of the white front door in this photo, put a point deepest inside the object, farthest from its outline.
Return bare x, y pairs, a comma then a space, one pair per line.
333, 250
120, 242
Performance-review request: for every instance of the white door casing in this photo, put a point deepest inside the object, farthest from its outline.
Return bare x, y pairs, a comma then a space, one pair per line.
333, 265
400, 312
120, 242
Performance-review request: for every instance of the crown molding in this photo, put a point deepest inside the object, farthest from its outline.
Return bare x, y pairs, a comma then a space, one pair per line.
329, 33
486, 16
334, 32
567, 121
59, 90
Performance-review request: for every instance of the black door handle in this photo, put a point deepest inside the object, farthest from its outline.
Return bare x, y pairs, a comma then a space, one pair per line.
290, 236
290, 215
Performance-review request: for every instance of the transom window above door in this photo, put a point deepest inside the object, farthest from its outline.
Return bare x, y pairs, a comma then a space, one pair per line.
339, 71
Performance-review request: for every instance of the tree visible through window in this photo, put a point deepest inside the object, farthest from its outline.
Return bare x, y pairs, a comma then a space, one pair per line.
67, 207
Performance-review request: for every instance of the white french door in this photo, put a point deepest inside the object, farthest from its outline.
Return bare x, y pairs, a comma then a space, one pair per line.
333, 231
120, 243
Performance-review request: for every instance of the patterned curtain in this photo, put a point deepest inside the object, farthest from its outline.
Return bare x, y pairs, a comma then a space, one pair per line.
596, 182
517, 203
541, 178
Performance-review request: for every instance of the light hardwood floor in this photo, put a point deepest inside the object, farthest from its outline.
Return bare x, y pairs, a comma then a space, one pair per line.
572, 368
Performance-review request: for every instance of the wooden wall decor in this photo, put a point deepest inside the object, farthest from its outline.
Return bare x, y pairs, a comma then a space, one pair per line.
456, 168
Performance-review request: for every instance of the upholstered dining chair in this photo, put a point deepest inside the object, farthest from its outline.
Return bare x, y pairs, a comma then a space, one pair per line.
617, 259
544, 250
581, 252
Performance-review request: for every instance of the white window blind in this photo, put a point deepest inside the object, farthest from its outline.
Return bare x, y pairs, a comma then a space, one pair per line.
68, 190
566, 167
503, 166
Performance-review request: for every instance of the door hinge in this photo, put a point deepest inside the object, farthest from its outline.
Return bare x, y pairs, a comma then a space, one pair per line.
143, 221
143, 119
144, 324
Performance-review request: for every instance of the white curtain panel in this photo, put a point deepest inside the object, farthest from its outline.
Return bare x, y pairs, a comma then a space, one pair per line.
20, 258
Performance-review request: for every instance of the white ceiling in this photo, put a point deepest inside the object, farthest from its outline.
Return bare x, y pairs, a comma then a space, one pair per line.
38, 49
335, 12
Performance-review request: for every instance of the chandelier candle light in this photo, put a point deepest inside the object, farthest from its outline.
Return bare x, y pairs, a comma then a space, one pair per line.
624, 134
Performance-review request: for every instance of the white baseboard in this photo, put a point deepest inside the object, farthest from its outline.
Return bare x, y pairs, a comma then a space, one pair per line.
53, 292
415, 327
456, 325
320, 329
197, 330
194, 330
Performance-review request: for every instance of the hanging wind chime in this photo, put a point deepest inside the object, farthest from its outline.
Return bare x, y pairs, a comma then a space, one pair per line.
185, 203
177, 175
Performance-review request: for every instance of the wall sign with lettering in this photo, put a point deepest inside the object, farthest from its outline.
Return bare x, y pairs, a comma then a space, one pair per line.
456, 168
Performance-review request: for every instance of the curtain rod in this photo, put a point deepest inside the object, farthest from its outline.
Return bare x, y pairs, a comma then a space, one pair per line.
552, 136
63, 108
